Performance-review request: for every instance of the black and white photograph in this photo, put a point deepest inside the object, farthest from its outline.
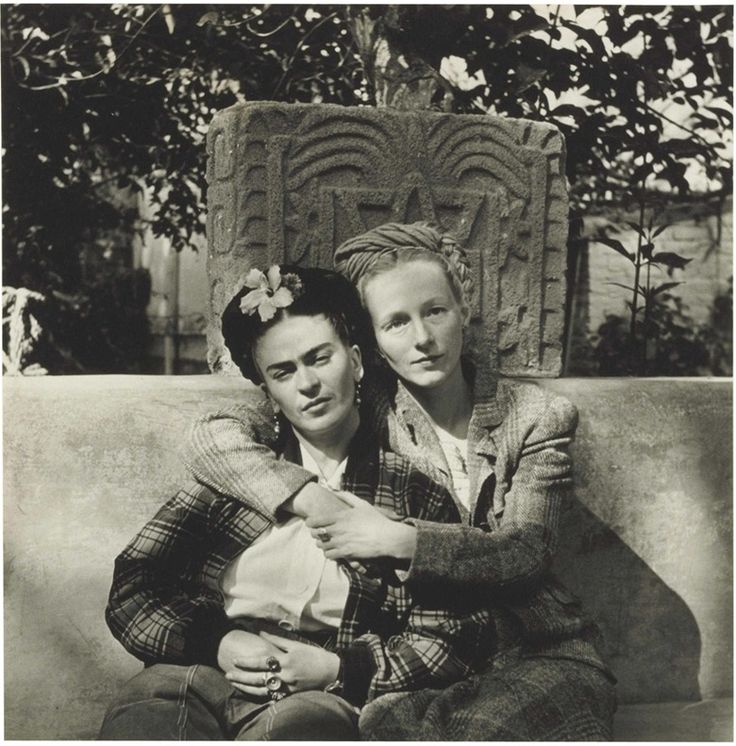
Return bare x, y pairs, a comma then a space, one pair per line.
434, 303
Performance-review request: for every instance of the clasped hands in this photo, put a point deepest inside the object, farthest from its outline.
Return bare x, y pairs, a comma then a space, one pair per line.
248, 660
362, 532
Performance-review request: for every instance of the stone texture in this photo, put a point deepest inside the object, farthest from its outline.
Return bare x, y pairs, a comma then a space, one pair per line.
289, 183
647, 543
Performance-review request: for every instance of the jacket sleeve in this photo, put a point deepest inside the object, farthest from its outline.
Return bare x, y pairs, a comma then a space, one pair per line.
435, 649
231, 452
512, 558
150, 610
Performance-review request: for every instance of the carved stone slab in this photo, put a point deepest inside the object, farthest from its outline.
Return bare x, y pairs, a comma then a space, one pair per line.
290, 182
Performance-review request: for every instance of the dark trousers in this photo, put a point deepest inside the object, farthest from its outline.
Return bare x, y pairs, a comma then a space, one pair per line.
197, 703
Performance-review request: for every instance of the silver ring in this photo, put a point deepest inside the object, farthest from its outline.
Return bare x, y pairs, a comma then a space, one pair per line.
273, 683
323, 534
272, 662
276, 688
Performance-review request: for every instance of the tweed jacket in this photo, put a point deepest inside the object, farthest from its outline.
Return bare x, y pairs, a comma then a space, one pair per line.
502, 550
166, 605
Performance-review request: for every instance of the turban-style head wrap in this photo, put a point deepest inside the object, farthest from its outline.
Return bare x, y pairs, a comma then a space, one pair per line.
357, 257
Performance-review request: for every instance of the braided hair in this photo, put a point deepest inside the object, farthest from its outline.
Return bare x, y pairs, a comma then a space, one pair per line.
392, 244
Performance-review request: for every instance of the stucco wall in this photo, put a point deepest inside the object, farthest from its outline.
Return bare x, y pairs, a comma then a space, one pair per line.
647, 544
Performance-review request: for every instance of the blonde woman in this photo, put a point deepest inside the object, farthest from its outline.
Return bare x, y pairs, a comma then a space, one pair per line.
504, 458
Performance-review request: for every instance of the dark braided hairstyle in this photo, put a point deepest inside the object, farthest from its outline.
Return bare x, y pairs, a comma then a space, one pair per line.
322, 292
391, 244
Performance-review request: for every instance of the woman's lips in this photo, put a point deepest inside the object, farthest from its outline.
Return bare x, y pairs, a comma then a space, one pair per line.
315, 403
428, 360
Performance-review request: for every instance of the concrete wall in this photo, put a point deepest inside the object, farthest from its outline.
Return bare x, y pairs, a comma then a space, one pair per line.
647, 544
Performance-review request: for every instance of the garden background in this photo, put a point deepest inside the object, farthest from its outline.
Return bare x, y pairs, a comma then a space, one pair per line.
105, 109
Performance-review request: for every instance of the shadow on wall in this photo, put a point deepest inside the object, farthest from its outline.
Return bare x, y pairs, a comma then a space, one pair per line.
652, 639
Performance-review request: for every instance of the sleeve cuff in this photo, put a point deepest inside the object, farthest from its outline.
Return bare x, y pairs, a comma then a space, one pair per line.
430, 552
358, 668
204, 639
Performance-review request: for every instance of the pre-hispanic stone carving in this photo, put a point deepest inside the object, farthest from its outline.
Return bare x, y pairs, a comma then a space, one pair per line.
290, 182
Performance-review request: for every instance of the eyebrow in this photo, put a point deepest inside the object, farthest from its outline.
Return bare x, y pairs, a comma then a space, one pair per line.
311, 352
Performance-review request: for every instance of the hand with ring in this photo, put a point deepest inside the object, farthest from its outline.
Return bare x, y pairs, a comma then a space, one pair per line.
363, 533
258, 675
296, 667
274, 685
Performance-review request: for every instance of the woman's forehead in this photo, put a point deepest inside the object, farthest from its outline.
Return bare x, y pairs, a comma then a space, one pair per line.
408, 283
295, 336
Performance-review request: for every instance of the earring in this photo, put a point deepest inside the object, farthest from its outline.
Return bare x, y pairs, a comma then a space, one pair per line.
276, 424
357, 394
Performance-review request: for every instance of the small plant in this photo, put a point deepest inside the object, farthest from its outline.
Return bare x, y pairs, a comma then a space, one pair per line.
651, 305
677, 346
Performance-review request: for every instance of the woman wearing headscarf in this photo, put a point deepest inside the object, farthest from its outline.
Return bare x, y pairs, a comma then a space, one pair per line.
501, 448
247, 630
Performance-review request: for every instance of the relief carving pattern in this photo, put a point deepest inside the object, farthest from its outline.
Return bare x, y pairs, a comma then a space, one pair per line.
289, 183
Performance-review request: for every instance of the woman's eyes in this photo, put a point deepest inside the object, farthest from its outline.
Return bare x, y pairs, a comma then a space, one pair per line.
436, 311
398, 323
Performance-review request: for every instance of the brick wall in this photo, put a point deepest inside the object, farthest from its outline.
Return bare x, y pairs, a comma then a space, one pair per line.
694, 234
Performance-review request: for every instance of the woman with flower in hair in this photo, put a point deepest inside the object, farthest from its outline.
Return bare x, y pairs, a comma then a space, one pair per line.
247, 629
501, 449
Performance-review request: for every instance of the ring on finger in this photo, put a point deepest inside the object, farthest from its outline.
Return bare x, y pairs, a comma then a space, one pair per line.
323, 534
272, 663
275, 686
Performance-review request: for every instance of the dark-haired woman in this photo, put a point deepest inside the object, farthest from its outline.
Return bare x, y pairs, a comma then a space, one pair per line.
247, 630
503, 454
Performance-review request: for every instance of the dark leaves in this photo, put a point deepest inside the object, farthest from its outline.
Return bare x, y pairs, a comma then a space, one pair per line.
616, 246
670, 259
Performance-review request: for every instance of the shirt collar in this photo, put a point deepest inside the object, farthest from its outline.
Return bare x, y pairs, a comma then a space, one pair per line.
487, 411
488, 414
362, 458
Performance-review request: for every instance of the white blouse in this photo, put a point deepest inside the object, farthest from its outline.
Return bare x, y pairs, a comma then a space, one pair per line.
283, 576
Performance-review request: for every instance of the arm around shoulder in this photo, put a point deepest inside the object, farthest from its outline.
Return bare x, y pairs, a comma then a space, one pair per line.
231, 451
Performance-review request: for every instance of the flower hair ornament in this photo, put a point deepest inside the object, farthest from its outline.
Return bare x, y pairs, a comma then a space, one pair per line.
269, 292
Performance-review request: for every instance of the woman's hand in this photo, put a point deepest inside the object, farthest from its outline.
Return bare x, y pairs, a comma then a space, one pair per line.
238, 644
364, 532
301, 667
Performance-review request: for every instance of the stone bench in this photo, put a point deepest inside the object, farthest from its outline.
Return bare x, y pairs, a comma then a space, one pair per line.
647, 542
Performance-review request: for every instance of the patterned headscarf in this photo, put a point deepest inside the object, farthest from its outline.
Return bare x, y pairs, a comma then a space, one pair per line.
357, 255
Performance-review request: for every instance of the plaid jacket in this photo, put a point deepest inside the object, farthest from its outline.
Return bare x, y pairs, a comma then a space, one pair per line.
165, 604
521, 476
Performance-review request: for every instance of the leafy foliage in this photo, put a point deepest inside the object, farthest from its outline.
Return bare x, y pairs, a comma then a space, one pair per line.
674, 344
103, 98
94, 94
640, 92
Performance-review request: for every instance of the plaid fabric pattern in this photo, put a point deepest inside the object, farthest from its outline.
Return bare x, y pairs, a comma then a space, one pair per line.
165, 604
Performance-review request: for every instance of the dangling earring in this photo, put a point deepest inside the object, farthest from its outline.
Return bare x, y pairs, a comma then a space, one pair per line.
357, 394
276, 424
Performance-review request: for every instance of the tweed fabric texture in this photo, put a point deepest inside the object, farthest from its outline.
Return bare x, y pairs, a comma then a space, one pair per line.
165, 605
528, 700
